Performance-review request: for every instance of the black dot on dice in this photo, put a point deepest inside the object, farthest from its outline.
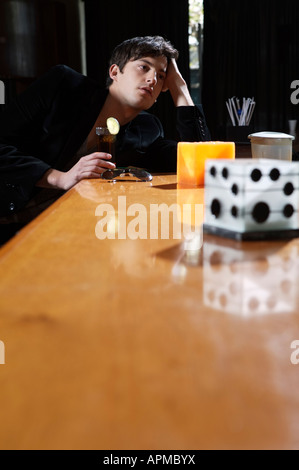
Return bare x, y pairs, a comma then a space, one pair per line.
288, 189
260, 212
235, 189
288, 211
213, 171
234, 212
256, 175
225, 173
216, 208
274, 174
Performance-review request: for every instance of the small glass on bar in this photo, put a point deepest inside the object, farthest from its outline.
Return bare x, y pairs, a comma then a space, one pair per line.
106, 142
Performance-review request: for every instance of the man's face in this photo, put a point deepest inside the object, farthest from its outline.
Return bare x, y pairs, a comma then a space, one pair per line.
140, 82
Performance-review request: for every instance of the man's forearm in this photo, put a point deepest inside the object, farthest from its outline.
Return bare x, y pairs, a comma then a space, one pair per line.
89, 166
177, 86
181, 96
52, 179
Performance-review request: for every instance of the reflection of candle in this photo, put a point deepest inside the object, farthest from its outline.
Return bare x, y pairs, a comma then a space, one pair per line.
190, 203
193, 155
190, 206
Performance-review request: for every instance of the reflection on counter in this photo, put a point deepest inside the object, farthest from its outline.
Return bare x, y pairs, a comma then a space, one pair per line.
189, 255
190, 203
249, 279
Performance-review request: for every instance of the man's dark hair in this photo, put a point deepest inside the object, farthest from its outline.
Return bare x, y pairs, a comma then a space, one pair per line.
136, 48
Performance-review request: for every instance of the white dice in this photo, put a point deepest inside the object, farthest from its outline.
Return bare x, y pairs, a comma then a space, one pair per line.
251, 198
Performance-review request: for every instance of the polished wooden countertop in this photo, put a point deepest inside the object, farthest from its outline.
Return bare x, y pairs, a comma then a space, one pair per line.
178, 343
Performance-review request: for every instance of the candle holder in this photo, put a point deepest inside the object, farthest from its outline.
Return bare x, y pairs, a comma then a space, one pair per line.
192, 156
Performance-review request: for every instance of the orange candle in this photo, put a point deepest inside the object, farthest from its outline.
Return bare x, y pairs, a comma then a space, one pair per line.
192, 156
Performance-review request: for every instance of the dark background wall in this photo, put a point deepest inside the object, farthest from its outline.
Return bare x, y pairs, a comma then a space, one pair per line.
35, 35
251, 48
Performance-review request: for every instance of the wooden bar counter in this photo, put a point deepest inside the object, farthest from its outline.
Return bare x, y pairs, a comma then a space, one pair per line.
147, 343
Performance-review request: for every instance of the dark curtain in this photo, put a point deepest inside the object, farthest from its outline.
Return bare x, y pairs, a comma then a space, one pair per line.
34, 36
109, 23
251, 49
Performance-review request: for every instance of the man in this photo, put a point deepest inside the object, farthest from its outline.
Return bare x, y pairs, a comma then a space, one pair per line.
48, 139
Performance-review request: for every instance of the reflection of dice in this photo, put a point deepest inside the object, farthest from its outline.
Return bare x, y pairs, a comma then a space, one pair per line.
248, 283
251, 199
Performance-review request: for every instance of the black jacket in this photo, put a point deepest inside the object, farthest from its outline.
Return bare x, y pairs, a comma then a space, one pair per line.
45, 126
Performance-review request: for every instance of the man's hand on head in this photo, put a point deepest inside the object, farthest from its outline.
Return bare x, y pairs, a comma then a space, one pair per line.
177, 86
